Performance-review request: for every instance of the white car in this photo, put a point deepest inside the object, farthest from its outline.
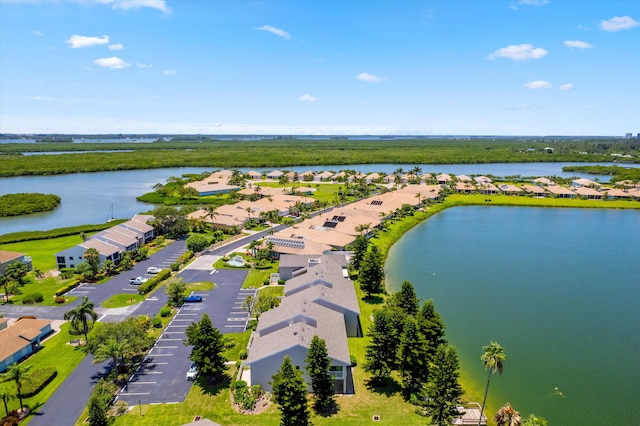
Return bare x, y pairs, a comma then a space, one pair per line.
153, 270
138, 280
192, 373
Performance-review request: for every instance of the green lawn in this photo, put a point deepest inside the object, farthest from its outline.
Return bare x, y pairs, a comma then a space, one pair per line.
122, 300
200, 286
43, 252
47, 286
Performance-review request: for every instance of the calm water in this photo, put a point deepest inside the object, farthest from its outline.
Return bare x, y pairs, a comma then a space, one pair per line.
88, 197
559, 289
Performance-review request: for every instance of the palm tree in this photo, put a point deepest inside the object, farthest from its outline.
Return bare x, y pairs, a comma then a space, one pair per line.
211, 213
112, 348
6, 396
507, 416
493, 358
17, 373
79, 316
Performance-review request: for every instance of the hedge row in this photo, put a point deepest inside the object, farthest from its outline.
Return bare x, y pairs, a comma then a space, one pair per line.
37, 381
17, 237
185, 257
151, 283
62, 290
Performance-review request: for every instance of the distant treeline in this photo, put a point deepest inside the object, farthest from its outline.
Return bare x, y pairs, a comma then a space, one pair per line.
27, 203
278, 153
618, 172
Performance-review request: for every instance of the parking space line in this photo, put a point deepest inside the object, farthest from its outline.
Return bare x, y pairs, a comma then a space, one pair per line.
163, 347
154, 355
134, 393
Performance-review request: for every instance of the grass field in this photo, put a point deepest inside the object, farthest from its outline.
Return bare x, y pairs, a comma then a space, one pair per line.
43, 252
122, 300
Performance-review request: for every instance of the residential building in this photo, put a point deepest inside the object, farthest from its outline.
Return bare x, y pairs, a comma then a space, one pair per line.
21, 339
8, 257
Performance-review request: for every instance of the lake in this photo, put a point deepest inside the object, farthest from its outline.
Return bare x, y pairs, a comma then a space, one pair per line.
559, 289
87, 198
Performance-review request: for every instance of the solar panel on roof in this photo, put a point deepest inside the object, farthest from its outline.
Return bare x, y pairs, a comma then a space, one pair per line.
339, 218
376, 203
329, 224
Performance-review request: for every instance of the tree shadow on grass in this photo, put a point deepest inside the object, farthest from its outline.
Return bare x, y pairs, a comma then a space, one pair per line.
328, 411
373, 299
213, 386
387, 387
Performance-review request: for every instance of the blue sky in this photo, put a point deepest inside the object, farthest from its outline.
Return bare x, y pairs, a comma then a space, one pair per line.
513, 67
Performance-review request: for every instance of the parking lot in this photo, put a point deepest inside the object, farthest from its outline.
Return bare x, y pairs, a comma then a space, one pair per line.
161, 378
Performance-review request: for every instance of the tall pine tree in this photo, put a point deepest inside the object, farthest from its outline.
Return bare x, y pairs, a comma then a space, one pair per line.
381, 352
371, 272
318, 368
406, 299
412, 357
208, 344
290, 393
432, 327
359, 249
443, 388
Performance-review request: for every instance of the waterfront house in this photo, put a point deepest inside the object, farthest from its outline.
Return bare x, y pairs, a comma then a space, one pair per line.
318, 299
464, 188
544, 181
21, 339
8, 257
274, 175
443, 179
583, 182
323, 177
534, 190
510, 189
560, 191
588, 193
463, 178
254, 175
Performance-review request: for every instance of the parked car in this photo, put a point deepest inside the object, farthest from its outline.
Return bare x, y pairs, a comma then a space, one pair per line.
153, 270
138, 280
192, 373
192, 299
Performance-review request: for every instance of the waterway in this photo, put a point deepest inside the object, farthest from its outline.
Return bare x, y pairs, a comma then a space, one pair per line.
89, 198
559, 289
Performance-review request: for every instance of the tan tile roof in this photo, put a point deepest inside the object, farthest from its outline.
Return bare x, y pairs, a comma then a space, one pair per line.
559, 190
8, 256
19, 335
534, 189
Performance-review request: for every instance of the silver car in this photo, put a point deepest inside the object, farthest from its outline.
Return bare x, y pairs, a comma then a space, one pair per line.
192, 373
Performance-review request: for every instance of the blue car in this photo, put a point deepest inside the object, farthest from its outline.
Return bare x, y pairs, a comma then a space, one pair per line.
192, 299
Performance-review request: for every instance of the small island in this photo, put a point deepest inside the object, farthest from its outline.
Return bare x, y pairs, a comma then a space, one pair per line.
27, 203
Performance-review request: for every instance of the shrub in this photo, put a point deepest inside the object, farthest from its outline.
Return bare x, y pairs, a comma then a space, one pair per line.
175, 266
165, 312
66, 273
157, 322
281, 281
60, 299
243, 354
266, 281
12, 419
225, 258
150, 284
70, 286
26, 317
354, 360
30, 299
185, 257
38, 379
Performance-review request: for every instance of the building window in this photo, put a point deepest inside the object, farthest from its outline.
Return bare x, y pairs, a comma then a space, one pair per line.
70, 257
337, 372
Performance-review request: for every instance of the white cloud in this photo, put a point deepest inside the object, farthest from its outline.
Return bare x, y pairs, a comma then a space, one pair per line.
618, 23
566, 87
117, 46
169, 72
276, 31
137, 4
307, 98
112, 62
77, 41
144, 65
514, 4
519, 52
36, 33
538, 84
369, 78
578, 44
